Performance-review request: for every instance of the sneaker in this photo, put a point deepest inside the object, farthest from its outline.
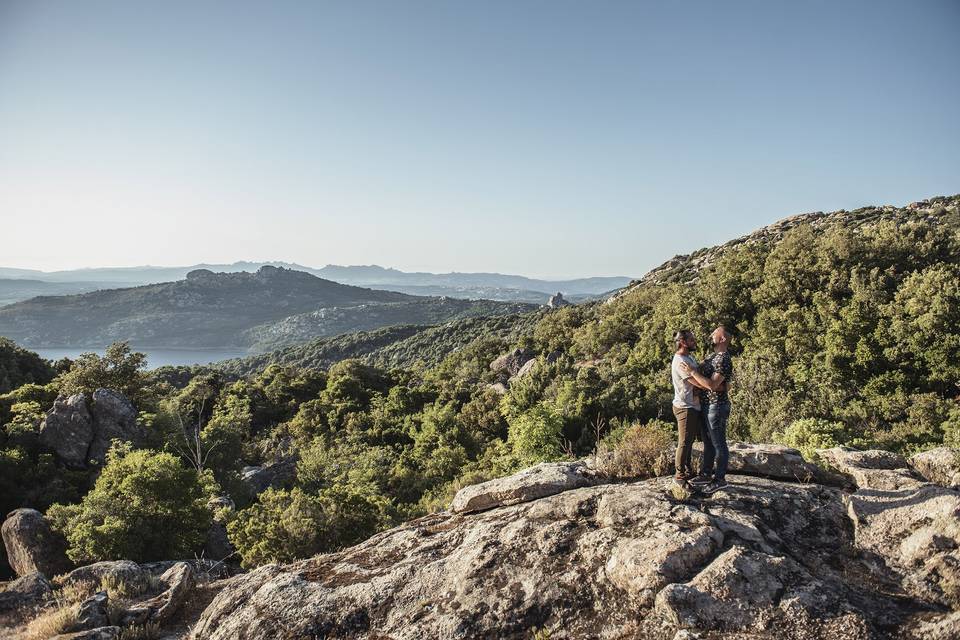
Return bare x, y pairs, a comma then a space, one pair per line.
701, 480
688, 476
713, 487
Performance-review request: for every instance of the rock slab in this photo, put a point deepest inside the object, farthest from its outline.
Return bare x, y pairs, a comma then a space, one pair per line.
545, 479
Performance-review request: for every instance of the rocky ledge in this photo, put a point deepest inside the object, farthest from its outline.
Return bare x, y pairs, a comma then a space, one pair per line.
871, 554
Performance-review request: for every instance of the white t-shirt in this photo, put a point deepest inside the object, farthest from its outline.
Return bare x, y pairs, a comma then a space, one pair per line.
683, 392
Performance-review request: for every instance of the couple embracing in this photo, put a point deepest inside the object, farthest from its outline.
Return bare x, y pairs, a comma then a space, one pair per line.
702, 406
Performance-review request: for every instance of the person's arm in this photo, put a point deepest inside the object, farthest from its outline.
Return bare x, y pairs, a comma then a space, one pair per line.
711, 384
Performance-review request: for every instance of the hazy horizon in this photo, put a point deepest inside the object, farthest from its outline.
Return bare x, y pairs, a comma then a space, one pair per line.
554, 140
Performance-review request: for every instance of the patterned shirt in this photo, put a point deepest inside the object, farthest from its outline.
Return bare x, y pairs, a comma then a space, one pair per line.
717, 363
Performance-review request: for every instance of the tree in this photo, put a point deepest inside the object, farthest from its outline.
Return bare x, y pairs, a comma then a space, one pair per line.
144, 506
535, 435
119, 369
19, 366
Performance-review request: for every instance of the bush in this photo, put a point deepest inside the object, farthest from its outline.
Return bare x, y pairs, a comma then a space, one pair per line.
289, 525
640, 451
535, 435
144, 506
119, 369
810, 434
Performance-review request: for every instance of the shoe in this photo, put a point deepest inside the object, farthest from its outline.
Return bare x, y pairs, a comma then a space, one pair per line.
701, 480
687, 477
715, 486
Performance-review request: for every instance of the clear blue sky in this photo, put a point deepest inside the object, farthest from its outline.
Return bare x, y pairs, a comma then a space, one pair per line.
547, 138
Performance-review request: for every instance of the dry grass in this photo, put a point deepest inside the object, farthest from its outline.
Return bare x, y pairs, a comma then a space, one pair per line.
77, 591
52, 622
118, 588
149, 631
643, 452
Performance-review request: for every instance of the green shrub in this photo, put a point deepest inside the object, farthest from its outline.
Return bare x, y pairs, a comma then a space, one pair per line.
637, 451
810, 434
289, 525
144, 506
536, 435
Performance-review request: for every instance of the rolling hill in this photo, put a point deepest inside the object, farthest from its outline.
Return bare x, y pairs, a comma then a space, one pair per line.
224, 310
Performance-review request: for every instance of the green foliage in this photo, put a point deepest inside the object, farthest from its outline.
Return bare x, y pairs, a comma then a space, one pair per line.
287, 525
19, 366
536, 435
810, 434
119, 369
144, 506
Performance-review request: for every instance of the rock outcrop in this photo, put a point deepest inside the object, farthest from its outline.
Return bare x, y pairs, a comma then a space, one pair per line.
114, 417
557, 300
32, 545
550, 549
509, 364
68, 429
217, 545
92, 612
81, 435
779, 462
276, 475
873, 469
117, 570
24, 592
545, 479
179, 581
940, 466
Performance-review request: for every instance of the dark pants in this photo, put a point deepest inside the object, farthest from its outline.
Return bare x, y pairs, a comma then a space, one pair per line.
715, 441
689, 425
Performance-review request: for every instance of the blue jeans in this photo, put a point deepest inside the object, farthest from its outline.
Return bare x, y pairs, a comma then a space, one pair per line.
715, 441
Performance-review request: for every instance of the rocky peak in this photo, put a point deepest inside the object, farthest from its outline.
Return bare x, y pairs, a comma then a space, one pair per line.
557, 300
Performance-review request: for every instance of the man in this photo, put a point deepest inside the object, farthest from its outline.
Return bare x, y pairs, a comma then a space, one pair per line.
713, 377
686, 403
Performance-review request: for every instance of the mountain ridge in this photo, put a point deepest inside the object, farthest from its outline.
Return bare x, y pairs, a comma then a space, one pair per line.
211, 310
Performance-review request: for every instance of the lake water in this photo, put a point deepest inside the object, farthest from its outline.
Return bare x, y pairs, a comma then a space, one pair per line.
155, 357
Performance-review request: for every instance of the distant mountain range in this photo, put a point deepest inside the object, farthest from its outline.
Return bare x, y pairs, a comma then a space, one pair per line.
272, 307
471, 286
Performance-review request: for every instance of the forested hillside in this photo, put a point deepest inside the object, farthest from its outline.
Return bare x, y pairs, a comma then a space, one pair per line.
207, 310
846, 331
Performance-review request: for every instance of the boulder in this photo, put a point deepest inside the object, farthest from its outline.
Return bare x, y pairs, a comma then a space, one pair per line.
81, 436
120, 570
100, 633
25, 592
544, 479
32, 545
277, 475
777, 461
68, 430
217, 545
92, 612
180, 581
509, 363
498, 387
600, 561
114, 417
871, 469
940, 466
557, 300
526, 368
